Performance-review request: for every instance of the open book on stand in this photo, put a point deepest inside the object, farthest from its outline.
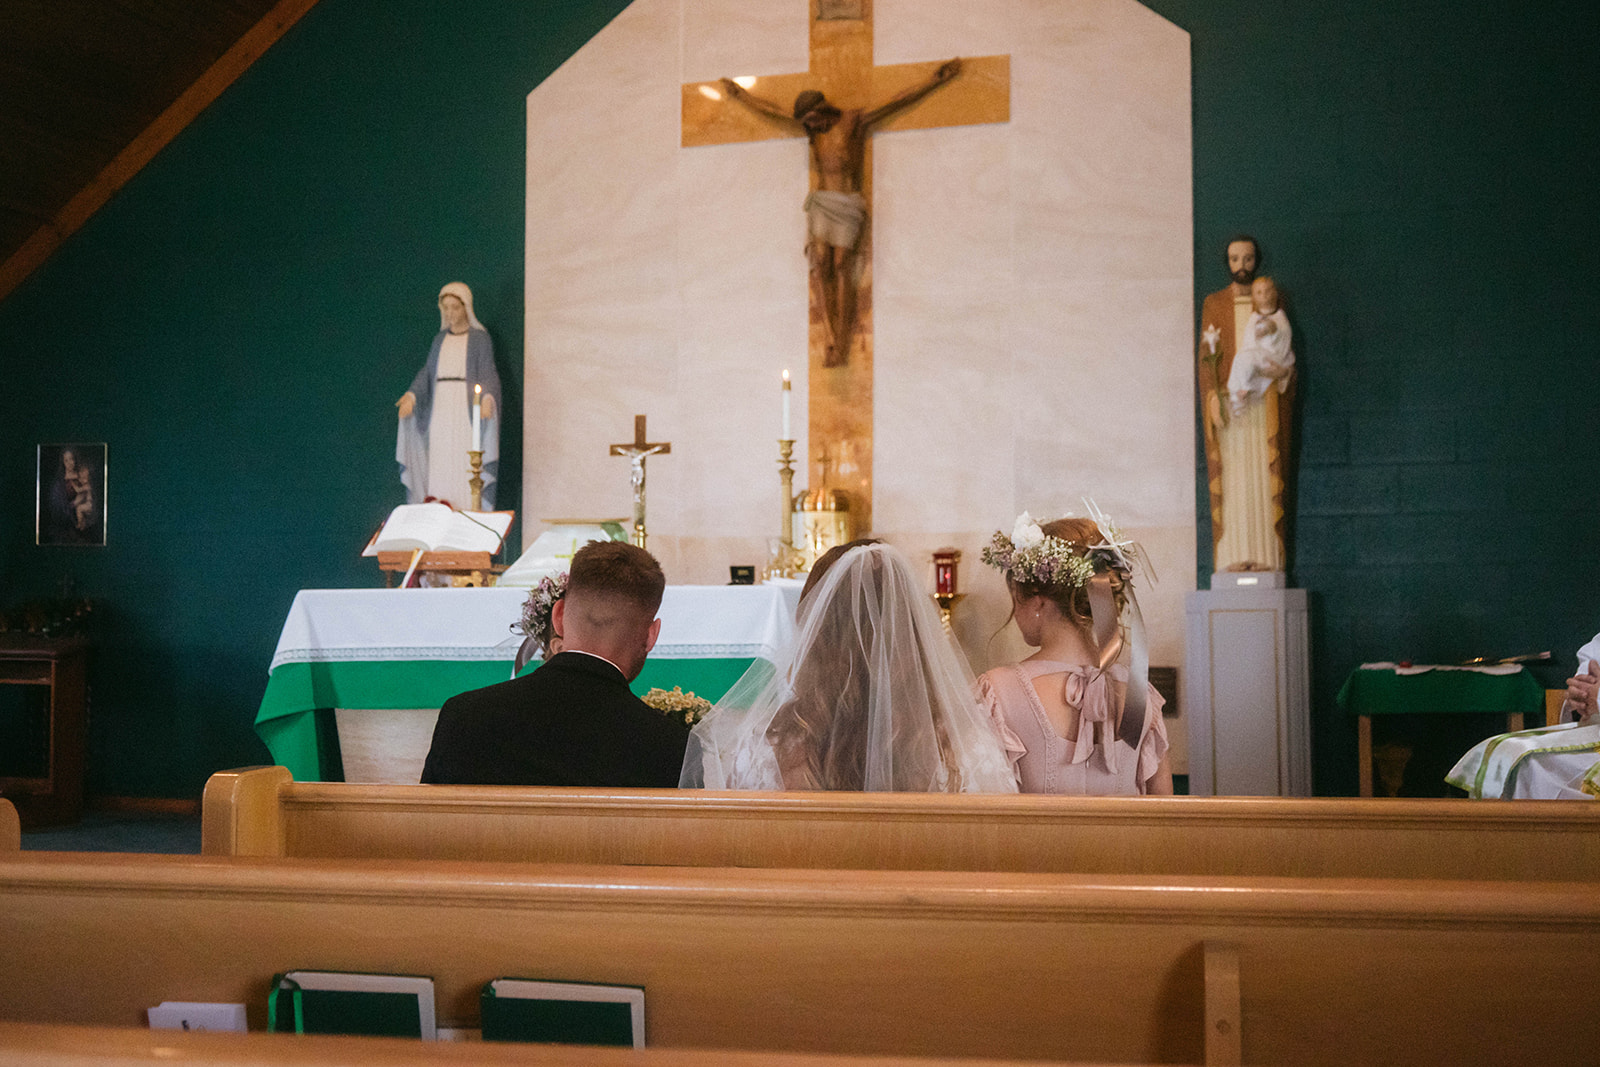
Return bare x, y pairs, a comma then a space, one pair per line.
436, 537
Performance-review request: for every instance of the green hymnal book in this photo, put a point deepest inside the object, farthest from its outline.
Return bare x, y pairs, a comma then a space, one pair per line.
336, 1002
568, 1013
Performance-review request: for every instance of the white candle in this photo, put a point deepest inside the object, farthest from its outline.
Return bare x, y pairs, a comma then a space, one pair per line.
477, 418
788, 433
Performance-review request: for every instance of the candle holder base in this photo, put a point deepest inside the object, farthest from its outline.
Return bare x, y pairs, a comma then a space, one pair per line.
947, 603
783, 561
475, 467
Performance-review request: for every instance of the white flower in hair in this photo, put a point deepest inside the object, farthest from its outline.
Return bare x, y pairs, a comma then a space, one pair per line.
1026, 533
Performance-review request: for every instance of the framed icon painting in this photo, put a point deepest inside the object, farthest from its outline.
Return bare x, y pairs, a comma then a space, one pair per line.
70, 501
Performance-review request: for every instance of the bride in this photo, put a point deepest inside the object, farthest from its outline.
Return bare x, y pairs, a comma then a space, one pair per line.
873, 695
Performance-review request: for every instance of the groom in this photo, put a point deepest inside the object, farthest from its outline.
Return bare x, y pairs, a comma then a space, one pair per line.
573, 721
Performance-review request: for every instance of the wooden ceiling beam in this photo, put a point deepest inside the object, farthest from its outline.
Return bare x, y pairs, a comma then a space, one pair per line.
142, 149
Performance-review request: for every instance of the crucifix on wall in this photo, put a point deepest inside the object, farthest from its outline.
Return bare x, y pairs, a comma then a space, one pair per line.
838, 104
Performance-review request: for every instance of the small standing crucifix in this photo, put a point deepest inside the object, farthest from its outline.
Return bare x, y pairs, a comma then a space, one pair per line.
637, 451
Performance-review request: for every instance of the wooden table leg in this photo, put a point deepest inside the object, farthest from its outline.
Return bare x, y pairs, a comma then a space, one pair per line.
1513, 721
1364, 752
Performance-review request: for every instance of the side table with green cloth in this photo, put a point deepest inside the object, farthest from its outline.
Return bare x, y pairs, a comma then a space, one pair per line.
1383, 689
416, 648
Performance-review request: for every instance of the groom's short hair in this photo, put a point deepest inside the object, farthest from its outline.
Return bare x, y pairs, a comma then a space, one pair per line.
617, 571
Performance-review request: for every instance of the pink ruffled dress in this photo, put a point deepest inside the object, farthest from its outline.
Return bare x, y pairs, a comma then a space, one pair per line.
1098, 763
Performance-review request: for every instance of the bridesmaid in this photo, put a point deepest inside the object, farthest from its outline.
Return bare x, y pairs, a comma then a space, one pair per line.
1064, 712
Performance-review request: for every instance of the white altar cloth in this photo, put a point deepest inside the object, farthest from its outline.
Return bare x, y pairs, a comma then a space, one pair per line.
384, 660
697, 622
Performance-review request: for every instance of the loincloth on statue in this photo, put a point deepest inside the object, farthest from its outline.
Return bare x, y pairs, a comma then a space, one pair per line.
835, 218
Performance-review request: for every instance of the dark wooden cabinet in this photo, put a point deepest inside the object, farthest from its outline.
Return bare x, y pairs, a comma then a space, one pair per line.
61, 665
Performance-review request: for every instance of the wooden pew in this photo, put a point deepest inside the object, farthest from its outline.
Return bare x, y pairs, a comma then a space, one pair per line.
962, 963
262, 812
35, 1045
1554, 699
10, 827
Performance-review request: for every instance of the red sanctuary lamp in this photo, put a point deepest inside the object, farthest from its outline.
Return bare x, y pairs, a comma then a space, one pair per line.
945, 583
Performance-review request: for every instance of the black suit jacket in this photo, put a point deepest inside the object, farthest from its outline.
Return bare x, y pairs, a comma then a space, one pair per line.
571, 722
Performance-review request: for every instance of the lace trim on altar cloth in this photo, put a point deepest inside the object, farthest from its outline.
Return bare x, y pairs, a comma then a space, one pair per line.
506, 650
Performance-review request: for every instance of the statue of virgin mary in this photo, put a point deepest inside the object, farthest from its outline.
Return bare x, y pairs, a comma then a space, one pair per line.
435, 430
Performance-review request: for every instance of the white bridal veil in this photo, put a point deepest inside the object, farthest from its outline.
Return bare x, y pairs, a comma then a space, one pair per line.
872, 695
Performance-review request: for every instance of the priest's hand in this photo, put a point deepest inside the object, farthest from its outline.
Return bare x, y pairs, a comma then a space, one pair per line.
407, 404
486, 405
1581, 691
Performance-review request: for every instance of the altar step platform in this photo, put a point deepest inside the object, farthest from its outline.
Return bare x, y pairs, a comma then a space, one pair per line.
359, 675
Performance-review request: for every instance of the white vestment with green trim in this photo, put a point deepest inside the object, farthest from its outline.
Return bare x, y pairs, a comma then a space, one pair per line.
1549, 763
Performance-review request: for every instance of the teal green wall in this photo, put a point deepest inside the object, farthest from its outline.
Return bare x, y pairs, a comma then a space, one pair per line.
1422, 177
236, 325
238, 321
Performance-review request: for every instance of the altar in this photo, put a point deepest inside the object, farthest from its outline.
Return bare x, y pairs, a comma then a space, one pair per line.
407, 651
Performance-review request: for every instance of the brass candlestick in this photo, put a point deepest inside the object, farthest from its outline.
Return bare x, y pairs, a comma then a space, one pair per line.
786, 476
475, 466
946, 602
785, 561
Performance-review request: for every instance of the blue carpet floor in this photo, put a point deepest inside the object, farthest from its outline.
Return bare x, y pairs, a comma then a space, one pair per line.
120, 831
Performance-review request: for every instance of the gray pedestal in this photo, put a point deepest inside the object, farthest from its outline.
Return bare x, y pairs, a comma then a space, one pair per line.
1247, 696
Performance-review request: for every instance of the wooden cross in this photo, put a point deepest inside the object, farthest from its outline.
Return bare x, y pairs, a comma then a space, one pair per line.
638, 450
839, 408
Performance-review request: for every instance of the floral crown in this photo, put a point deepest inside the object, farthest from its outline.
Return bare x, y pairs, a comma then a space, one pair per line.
537, 609
1030, 557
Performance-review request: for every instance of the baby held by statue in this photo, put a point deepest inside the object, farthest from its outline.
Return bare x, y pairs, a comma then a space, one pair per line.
1264, 355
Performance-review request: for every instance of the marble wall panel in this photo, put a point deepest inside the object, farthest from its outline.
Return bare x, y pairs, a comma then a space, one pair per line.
943, 211
588, 373
740, 227
911, 31
1098, 192
1113, 401
730, 38
944, 413
1024, 273
729, 399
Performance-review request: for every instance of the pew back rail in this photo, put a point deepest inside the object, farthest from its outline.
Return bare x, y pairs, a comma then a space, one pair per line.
263, 812
37, 1045
1014, 965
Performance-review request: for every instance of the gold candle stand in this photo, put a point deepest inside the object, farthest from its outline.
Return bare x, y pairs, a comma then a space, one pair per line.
947, 603
475, 466
786, 476
784, 565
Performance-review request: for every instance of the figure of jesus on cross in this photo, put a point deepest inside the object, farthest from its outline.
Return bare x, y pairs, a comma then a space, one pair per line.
638, 450
836, 210
841, 105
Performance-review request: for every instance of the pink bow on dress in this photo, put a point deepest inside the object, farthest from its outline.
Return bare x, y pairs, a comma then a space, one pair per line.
1089, 689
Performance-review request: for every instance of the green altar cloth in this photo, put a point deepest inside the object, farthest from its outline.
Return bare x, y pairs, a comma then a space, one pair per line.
1439, 692
286, 721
